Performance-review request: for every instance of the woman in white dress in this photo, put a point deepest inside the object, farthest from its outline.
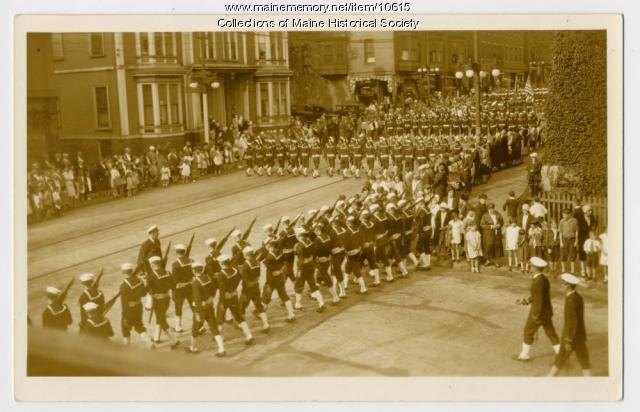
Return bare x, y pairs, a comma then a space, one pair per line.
70, 185
604, 255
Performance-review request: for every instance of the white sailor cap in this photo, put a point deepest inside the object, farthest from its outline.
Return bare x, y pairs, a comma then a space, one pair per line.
180, 247
155, 259
284, 219
223, 258
236, 233
126, 267
365, 212
390, 206
533, 154
419, 199
267, 228
247, 249
312, 212
324, 209
53, 291
300, 231
87, 277
197, 264
402, 202
374, 207
339, 203
152, 228
350, 218
89, 306
444, 205
538, 262
525, 206
210, 241
570, 279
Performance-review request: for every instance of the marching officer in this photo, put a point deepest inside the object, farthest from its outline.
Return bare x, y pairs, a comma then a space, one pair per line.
343, 150
280, 156
260, 155
204, 289
132, 290
305, 153
150, 247
182, 274
292, 153
574, 333
541, 311
330, 154
56, 315
370, 153
357, 153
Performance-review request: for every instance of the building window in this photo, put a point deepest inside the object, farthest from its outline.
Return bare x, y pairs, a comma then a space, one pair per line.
283, 99
144, 44
339, 53
210, 49
101, 98
369, 51
96, 44
263, 89
164, 104
262, 45
147, 103
230, 51
175, 107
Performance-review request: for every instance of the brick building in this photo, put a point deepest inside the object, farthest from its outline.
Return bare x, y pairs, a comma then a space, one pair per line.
100, 92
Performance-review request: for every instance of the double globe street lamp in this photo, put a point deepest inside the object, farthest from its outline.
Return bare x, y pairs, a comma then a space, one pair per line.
202, 81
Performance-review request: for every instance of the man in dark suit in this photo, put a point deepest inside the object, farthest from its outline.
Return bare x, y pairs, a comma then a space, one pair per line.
586, 223
541, 312
574, 334
440, 222
524, 219
481, 208
510, 206
150, 247
491, 225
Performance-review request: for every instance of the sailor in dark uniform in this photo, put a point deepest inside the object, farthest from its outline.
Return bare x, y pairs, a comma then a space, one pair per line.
541, 312
381, 225
574, 333
338, 237
160, 285
305, 262
96, 325
322, 246
132, 290
204, 289
89, 294
182, 277
330, 154
275, 281
228, 282
353, 252
368, 233
250, 273
150, 247
56, 315
316, 152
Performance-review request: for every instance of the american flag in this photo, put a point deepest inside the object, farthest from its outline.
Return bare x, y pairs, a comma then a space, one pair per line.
527, 87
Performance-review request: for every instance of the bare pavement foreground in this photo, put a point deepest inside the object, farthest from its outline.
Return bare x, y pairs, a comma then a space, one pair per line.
444, 322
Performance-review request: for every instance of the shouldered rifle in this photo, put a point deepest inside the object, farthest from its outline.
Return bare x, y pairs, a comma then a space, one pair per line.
109, 304
224, 240
275, 229
247, 232
190, 244
64, 293
96, 282
166, 255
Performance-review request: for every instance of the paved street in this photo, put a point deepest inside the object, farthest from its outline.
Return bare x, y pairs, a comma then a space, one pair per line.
443, 322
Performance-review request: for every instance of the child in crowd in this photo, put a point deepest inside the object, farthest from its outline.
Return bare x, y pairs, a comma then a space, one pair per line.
218, 160
165, 175
511, 235
551, 243
455, 226
592, 248
523, 251
604, 256
474, 248
535, 240
186, 170
130, 186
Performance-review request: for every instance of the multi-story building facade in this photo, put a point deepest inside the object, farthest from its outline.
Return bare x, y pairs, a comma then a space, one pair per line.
99, 92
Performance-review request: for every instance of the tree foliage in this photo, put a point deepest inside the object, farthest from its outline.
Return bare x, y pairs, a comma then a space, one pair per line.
576, 109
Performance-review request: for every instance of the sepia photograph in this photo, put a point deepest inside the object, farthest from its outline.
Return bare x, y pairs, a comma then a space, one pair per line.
292, 203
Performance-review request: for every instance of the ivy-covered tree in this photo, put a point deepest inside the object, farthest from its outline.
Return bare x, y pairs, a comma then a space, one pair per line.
576, 109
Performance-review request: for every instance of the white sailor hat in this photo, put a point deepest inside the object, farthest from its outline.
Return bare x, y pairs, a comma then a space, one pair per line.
236, 233
402, 202
180, 247
339, 203
152, 228
155, 259
126, 267
365, 212
53, 291
87, 277
268, 227
538, 262
300, 231
311, 212
419, 199
197, 264
533, 154
390, 206
223, 258
444, 205
284, 219
525, 206
390, 196
324, 208
570, 279
247, 249
210, 241
89, 306
351, 218
374, 207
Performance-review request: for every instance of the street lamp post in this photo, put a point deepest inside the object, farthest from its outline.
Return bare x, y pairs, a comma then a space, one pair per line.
202, 81
475, 71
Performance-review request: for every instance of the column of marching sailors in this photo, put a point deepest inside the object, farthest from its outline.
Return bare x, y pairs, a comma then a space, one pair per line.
324, 248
